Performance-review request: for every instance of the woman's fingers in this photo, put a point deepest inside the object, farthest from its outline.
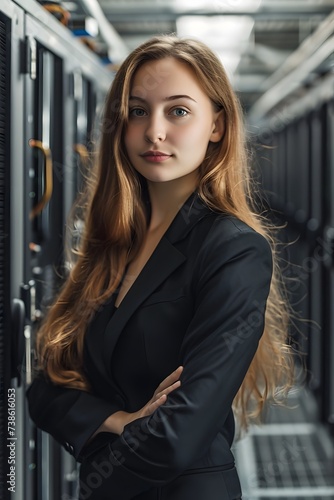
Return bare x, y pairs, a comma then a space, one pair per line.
158, 402
168, 390
164, 393
168, 385
160, 397
168, 381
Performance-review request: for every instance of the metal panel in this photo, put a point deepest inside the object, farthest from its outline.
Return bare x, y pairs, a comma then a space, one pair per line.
292, 185
315, 228
282, 168
43, 227
5, 70
328, 257
298, 250
302, 216
82, 123
302, 177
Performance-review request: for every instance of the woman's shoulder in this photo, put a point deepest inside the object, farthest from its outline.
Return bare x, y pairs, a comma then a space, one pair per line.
227, 226
227, 232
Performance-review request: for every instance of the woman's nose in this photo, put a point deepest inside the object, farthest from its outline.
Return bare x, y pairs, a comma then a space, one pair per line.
155, 131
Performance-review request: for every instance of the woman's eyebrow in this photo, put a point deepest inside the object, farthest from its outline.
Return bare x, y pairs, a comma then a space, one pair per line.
170, 98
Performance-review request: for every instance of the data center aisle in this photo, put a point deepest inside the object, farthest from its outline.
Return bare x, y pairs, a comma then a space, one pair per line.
290, 457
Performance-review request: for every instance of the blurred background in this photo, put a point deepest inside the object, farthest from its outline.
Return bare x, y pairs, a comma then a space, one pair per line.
57, 60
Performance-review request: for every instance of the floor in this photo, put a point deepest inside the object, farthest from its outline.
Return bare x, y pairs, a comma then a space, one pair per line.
289, 457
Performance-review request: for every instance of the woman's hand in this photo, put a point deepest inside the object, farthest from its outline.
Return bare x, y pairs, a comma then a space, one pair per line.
168, 385
117, 421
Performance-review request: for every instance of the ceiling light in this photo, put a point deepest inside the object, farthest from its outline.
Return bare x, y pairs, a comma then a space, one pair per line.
219, 6
228, 36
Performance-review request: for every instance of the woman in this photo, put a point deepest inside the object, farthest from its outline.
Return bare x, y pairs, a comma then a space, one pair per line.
173, 280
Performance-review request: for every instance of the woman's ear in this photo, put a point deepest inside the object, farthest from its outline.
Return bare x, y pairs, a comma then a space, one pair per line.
219, 127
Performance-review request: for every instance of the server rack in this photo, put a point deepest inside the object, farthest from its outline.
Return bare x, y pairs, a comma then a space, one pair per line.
300, 191
315, 228
327, 256
11, 202
6, 426
302, 217
43, 218
39, 108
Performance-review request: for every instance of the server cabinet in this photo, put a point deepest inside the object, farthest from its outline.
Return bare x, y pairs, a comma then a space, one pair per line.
60, 98
43, 219
296, 210
11, 241
303, 219
315, 228
327, 256
49, 172
40, 124
81, 98
7, 398
302, 183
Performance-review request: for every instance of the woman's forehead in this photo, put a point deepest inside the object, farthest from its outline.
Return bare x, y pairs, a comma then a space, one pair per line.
164, 78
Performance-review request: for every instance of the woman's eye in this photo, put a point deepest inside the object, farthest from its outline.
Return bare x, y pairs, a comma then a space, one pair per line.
179, 112
138, 112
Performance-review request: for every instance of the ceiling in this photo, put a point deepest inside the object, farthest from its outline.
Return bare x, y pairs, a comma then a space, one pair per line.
254, 38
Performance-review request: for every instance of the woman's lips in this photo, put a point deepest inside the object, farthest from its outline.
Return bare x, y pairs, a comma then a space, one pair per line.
155, 156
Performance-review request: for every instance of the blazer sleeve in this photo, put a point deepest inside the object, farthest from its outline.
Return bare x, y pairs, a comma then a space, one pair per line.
231, 285
69, 415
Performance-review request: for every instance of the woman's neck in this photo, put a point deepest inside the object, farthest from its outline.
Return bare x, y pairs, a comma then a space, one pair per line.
166, 200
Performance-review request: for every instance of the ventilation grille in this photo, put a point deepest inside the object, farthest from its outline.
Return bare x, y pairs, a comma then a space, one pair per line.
290, 457
293, 460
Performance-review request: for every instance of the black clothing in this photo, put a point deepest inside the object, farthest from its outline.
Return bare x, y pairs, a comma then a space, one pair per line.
199, 302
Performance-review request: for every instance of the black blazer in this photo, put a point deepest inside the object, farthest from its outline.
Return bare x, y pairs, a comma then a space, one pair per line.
199, 302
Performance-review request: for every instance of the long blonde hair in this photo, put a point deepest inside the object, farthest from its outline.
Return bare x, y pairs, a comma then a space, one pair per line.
116, 220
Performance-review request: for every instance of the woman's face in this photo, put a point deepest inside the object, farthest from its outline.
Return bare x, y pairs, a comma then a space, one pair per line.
171, 121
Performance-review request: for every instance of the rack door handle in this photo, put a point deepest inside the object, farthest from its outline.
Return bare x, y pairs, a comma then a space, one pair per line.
48, 179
